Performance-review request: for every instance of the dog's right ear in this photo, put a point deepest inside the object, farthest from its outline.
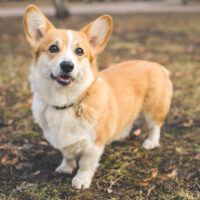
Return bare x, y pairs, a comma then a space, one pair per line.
98, 33
35, 25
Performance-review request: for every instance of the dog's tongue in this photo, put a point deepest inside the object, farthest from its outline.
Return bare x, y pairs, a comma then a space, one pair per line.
64, 78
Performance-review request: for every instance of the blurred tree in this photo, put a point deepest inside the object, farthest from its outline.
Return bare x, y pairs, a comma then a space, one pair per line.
184, 2
61, 7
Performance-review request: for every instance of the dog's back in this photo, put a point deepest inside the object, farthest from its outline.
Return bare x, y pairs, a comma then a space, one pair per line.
138, 86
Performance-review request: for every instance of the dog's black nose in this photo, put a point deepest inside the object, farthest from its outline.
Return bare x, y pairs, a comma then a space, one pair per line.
66, 66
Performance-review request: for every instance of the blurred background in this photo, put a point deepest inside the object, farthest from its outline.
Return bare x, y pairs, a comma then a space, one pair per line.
62, 8
163, 31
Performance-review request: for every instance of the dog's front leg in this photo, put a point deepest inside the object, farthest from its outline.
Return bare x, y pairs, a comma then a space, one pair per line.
88, 164
68, 163
67, 166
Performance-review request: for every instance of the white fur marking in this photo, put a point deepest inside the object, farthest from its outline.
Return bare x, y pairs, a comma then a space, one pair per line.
153, 139
125, 133
100, 79
70, 38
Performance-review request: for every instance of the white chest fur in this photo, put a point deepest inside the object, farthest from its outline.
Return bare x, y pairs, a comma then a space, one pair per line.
61, 127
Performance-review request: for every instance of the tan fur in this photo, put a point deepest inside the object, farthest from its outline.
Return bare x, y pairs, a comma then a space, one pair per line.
133, 86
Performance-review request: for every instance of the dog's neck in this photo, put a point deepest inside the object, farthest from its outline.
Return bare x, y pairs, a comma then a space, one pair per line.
76, 105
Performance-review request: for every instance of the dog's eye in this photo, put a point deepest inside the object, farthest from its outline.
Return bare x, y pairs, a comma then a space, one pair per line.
53, 48
79, 51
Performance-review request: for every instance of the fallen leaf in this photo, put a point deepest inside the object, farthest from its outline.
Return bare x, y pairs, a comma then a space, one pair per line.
30, 101
149, 191
197, 157
142, 183
133, 52
136, 143
5, 37
197, 58
179, 74
4, 159
109, 191
14, 150
25, 185
39, 152
10, 121
167, 176
137, 132
198, 72
154, 174
36, 173
163, 61
189, 123
182, 150
145, 161
12, 161
43, 143
23, 165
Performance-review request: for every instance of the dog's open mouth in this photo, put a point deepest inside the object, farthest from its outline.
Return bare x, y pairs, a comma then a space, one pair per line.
62, 79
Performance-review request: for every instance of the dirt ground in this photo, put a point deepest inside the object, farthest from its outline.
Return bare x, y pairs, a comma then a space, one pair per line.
126, 170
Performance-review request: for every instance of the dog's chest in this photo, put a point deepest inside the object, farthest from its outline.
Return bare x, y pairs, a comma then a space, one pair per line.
61, 127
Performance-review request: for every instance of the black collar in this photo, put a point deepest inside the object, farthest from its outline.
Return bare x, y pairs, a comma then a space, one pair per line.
63, 107
78, 106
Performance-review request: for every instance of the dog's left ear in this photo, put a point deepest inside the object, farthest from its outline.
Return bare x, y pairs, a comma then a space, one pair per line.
98, 33
35, 25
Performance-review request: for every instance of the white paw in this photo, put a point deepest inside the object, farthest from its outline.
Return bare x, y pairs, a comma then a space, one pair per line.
65, 168
150, 144
80, 183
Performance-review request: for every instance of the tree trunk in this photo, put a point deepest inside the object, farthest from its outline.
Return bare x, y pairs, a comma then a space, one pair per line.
61, 7
184, 2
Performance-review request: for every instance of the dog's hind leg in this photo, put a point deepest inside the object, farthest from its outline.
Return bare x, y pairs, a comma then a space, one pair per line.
156, 106
153, 139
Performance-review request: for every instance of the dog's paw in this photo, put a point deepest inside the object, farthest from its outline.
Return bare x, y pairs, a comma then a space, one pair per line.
65, 168
80, 183
150, 144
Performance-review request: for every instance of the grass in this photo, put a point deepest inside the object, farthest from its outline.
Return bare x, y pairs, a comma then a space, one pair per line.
28, 162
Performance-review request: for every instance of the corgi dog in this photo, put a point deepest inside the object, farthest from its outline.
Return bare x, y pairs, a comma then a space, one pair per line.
81, 109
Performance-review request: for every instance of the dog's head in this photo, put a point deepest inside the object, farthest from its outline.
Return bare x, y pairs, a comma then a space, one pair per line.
62, 56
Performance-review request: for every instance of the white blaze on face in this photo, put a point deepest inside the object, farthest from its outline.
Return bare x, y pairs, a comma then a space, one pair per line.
82, 72
82, 68
69, 46
66, 55
69, 54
